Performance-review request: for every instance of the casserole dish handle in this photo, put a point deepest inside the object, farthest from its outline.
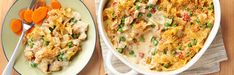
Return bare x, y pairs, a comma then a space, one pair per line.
113, 70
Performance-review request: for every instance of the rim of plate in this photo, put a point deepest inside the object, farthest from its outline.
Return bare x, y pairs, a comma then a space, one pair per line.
84, 62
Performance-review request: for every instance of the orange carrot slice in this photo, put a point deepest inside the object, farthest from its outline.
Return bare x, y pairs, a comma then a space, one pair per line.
28, 16
18, 33
39, 14
16, 25
39, 23
21, 14
55, 4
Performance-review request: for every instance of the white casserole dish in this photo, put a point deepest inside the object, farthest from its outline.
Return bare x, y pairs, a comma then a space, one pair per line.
134, 67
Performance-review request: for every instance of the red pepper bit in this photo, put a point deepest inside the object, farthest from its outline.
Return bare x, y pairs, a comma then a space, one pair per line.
180, 55
186, 17
153, 10
141, 54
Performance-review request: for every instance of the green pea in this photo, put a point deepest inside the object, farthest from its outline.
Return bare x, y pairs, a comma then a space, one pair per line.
167, 65
47, 43
131, 52
140, 15
75, 36
122, 38
61, 56
142, 39
120, 50
149, 15
33, 64
190, 45
154, 41
138, 7
70, 44
209, 25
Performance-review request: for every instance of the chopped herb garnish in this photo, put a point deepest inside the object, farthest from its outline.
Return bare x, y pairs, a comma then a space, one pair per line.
70, 44
122, 38
120, 50
154, 41
33, 64
149, 15
142, 39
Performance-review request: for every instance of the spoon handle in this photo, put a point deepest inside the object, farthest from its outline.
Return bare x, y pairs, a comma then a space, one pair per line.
8, 68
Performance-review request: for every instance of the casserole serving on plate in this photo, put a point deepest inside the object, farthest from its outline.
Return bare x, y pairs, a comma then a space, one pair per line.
158, 36
86, 48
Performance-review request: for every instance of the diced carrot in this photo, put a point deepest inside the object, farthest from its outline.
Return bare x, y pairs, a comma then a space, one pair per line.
55, 4
28, 15
21, 14
39, 14
30, 30
16, 25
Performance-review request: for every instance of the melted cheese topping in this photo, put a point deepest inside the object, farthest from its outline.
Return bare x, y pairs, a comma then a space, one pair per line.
159, 35
51, 46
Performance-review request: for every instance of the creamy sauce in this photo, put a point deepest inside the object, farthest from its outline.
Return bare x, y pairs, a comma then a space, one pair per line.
158, 35
51, 46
